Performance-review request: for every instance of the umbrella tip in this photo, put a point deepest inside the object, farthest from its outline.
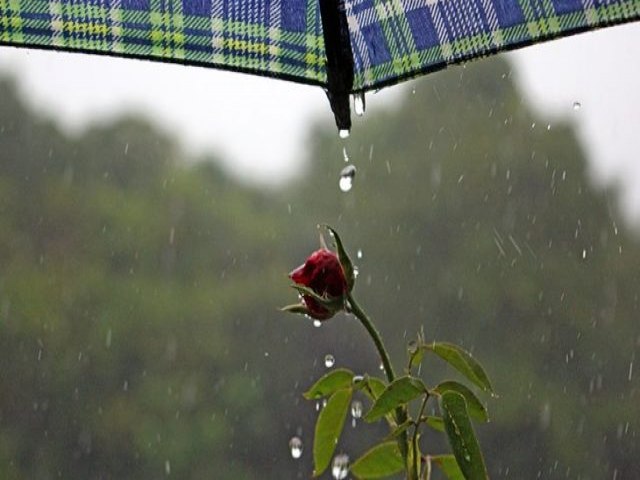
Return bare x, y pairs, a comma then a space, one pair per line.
341, 109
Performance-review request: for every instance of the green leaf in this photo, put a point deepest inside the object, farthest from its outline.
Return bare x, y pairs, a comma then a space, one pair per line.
328, 429
461, 436
462, 361
476, 409
371, 386
381, 461
399, 430
448, 465
328, 384
434, 422
344, 259
401, 391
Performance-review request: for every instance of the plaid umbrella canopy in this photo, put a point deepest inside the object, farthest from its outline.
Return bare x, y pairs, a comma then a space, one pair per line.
345, 46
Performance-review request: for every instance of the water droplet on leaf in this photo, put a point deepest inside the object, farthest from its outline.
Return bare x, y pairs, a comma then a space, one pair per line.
347, 175
340, 466
295, 445
329, 360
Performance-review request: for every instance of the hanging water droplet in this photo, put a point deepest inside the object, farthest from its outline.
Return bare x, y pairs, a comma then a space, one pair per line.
340, 466
347, 175
107, 341
317, 323
359, 253
329, 360
381, 367
356, 409
345, 155
344, 133
577, 105
295, 445
359, 103
317, 406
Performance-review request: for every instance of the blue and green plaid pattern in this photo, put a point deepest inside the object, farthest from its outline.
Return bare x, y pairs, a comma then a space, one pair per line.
397, 39
279, 38
390, 39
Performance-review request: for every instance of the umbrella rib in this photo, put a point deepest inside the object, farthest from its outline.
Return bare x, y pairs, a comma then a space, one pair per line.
339, 59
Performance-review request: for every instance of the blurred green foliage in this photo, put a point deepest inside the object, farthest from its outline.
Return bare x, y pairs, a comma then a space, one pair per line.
139, 330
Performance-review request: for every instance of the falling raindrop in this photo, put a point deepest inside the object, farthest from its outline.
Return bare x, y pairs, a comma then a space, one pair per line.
345, 155
359, 103
359, 253
107, 341
344, 133
347, 175
577, 105
584, 253
295, 445
356, 409
167, 467
548, 126
317, 323
340, 467
329, 360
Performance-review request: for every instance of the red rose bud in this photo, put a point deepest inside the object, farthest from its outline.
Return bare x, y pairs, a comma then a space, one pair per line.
323, 274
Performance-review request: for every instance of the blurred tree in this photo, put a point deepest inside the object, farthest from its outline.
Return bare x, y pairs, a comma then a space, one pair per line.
139, 331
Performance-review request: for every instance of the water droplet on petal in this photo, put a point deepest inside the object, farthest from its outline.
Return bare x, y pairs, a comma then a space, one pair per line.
347, 175
329, 360
356, 409
340, 466
317, 323
295, 445
344, 133
577, 105
359, 103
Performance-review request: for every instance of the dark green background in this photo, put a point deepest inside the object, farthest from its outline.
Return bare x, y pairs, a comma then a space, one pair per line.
139, 327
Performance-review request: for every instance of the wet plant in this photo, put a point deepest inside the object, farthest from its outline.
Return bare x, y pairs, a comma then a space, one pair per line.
325, 286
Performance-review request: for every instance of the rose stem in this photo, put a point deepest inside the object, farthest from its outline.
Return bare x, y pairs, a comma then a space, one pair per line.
375, 336
401, 414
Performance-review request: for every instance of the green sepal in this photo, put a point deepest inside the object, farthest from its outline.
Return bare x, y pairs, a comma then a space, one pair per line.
334, 304
299, 308
345, 261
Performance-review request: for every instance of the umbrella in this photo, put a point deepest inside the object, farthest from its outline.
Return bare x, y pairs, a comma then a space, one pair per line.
347, 47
